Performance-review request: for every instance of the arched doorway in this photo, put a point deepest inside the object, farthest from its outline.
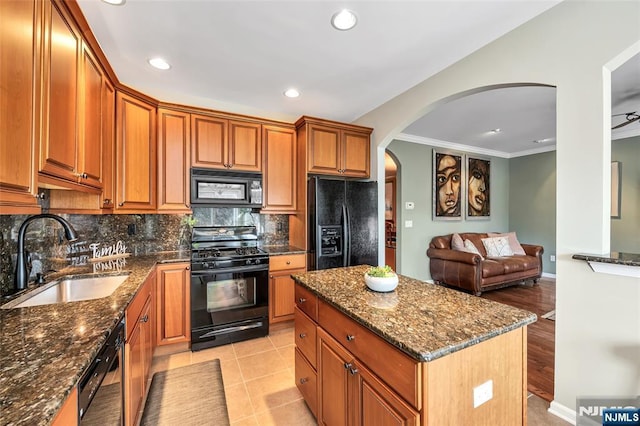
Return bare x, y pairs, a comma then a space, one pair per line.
390, 210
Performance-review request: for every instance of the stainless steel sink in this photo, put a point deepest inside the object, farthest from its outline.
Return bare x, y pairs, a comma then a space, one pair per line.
69, 290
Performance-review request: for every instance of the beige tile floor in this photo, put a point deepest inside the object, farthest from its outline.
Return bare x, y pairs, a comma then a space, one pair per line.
259, 382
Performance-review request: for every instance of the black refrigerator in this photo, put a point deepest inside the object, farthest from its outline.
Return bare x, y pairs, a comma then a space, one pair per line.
343, 223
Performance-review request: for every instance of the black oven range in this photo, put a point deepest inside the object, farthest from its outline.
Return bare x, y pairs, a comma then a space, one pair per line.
229, 286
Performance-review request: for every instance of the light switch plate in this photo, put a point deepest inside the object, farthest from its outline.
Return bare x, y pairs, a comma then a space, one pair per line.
408, 224
409, 205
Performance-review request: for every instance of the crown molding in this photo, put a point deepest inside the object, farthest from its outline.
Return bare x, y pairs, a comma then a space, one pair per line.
472, 149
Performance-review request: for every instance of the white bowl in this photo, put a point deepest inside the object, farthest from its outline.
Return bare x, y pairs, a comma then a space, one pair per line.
383, 284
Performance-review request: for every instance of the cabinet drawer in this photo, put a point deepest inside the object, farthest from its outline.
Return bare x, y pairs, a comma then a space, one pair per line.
307, 302
137, 305
306, 381
305, 336
287, 261
398, 370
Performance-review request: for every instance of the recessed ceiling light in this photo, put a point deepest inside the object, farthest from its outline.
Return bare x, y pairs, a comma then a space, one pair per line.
291, 93
495, 131
114, 2
159, 63
543, 140
344, 20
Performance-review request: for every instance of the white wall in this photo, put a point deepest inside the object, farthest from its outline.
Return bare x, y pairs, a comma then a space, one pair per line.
570, 47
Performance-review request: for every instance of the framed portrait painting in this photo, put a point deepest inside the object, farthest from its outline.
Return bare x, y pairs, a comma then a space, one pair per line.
447, 185
478, 188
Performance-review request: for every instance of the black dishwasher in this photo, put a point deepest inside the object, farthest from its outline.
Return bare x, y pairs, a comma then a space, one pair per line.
100, 390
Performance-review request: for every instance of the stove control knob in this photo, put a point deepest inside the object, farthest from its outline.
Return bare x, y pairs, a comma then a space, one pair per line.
248, 262
205, 265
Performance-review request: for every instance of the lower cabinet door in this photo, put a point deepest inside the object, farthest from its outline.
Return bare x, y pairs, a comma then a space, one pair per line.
377, 404
134, 375
334, 378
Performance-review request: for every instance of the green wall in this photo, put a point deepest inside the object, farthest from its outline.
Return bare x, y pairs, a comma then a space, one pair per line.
532, 202
625, 232
414, 183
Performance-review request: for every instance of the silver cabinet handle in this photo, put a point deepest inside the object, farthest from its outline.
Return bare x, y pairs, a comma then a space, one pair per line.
303, 335
303, 380
350, 337
302, 300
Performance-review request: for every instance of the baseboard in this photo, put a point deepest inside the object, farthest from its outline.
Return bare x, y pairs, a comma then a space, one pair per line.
548, 275
565, 413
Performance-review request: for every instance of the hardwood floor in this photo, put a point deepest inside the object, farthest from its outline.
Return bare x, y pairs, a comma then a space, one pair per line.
539, 299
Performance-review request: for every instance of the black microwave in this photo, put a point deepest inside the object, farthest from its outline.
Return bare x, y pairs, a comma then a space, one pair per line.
214, 188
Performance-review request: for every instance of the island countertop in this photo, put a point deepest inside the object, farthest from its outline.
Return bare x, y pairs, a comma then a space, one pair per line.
424, 320
44, 350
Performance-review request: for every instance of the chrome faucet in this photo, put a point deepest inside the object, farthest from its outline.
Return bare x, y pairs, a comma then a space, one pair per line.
21, 276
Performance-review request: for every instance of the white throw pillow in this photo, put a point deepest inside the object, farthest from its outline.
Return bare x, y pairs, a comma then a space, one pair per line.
497, 247
516, 248
469, 247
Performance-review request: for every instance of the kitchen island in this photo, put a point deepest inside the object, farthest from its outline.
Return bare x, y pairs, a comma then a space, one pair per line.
44, 350
422, 354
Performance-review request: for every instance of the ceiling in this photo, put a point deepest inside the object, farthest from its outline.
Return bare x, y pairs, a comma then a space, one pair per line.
240, 56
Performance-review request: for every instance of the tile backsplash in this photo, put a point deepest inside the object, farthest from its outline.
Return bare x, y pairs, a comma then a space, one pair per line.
141, 234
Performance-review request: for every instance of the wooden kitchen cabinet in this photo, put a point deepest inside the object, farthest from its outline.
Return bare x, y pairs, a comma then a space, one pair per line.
336, 149
361, 395
341, 356
71, 145
140, 330
173, 303
20, 50
135, 155
174, 161
221, 143
68, 413
282, 286
280, 170
108, 145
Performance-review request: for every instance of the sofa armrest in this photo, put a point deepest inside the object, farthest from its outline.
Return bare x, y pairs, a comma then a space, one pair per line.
533, 250
454, 255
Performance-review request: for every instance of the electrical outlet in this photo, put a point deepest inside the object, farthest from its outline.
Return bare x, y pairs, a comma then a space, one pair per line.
408, 224
409, 205
552, 258
482, 393
131, 229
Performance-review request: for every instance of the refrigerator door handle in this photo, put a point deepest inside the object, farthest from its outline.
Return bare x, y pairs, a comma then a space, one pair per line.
346, 237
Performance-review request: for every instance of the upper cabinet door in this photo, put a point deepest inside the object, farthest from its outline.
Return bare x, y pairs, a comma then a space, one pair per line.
135, 154
91, 117
355, 154
324, 150
173, 160
59, 146
280, 169
208, 142
108, 144
245, 146
19, 60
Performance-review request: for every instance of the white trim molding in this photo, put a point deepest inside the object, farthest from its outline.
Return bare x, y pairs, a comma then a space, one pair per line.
565, 413
549, 275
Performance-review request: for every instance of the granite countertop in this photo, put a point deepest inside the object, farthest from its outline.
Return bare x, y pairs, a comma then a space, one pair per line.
424, 320
277, 250
44, 350
615, 258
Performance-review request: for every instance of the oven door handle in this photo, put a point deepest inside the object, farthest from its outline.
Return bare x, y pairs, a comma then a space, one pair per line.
247, 268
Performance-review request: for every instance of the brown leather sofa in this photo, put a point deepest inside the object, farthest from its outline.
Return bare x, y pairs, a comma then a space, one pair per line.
470, 272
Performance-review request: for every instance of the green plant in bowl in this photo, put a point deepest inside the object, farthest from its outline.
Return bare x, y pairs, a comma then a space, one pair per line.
381, 271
